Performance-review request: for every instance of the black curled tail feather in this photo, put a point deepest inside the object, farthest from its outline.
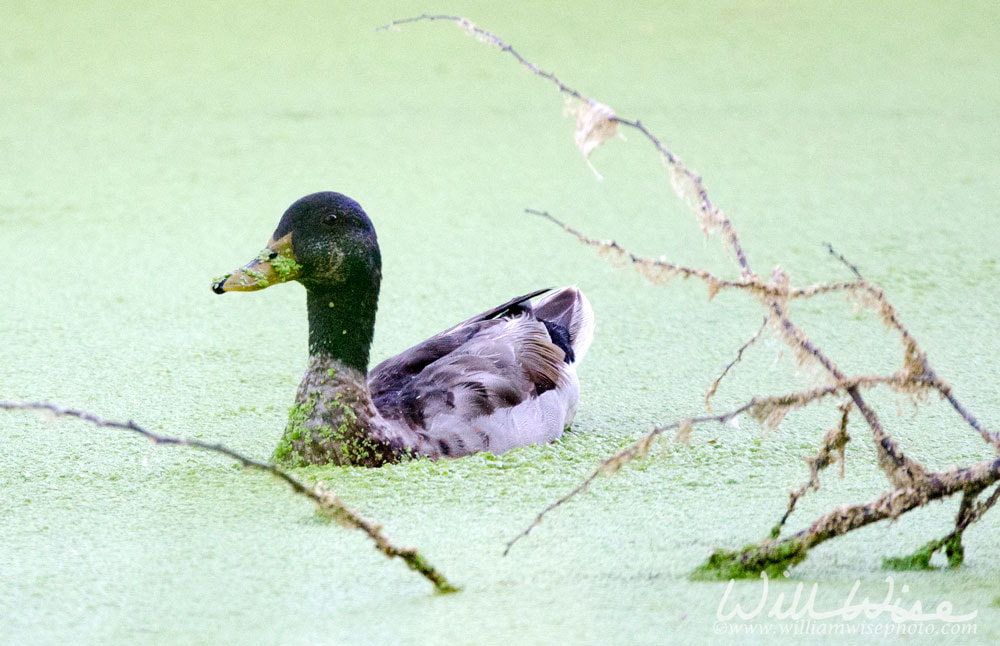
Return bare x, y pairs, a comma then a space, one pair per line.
560, 336
569, 319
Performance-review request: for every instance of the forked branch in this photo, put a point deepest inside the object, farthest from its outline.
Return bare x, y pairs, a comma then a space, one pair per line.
911, 484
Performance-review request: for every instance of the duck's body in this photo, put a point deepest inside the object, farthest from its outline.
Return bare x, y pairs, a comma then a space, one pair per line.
502, 379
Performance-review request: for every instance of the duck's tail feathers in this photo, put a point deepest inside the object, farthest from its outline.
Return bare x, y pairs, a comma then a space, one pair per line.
569, 309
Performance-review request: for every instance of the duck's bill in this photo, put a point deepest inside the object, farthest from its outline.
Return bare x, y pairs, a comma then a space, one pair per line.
274, 264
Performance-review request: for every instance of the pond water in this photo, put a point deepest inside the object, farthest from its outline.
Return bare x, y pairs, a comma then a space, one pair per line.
149, 149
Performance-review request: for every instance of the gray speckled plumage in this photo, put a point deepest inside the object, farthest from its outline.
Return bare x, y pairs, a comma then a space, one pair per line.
488, 384
484, 385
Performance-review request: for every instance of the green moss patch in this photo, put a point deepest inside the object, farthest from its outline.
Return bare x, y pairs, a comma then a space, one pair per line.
772, 558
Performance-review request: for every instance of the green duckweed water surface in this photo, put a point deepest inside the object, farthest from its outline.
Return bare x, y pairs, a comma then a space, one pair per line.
148, 149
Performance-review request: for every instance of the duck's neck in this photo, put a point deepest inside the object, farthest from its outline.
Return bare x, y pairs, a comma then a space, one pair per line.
333, 419
342, 324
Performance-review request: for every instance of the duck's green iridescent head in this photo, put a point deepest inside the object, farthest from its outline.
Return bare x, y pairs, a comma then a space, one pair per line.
324, 241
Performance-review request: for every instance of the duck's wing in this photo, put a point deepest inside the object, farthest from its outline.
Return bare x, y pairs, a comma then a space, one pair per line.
501, 379
395, 372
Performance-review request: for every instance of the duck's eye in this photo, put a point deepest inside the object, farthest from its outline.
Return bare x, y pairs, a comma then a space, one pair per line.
329, 219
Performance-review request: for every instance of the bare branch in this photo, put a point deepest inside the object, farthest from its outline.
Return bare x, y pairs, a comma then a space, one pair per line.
325, 500
823, 288
656, 271
660, 270
898, 468
763, 409
689, 187
991, 437
915, 359
912, 484
776, 555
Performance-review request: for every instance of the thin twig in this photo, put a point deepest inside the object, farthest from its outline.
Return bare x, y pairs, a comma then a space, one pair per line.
612, 464
992, 437
489, 38
325, 500
823, 288
761, 408
844, 260
831, 450
739, 355
657, 270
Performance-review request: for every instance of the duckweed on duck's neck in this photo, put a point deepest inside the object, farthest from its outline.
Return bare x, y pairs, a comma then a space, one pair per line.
334, 421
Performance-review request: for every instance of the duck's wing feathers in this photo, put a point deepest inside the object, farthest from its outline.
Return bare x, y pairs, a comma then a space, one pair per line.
396, 372
501, 379
471, 370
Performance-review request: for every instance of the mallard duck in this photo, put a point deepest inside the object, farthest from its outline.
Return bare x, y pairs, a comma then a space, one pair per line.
501, 379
